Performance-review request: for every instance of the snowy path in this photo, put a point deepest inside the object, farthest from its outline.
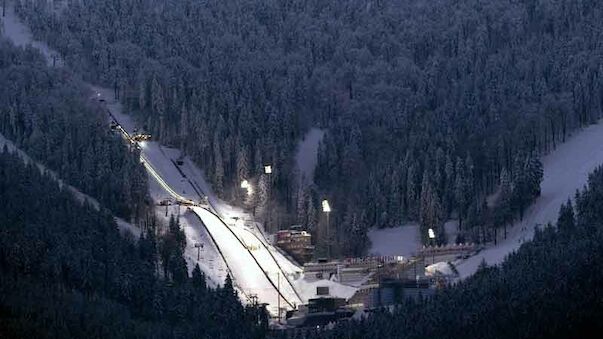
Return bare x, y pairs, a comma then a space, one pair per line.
565, 170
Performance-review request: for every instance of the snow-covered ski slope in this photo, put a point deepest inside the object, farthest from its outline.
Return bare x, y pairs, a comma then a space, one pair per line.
566, 169
254, 271
252, 265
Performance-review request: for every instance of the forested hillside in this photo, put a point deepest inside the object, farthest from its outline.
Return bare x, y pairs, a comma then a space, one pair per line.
427, 104
550, 288
66, 272
45, 112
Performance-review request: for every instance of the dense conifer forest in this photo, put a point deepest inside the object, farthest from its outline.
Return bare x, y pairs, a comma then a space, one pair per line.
66, 272
428, 105
432, 110
550, 288
44, 111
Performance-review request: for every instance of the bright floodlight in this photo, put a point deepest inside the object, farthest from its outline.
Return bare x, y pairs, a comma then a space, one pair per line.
431, 233
267, 169
325, 206
246, 185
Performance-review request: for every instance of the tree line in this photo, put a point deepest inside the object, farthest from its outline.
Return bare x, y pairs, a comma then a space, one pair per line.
426, 104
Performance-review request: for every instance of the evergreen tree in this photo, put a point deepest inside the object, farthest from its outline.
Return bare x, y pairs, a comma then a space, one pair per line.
460, 190
504, 208
218, 174
198, 279
566, 221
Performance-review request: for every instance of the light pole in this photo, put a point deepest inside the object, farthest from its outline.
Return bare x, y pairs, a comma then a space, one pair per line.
268, 169
431, 235
199, 246
326, 208
278, 293
268, 172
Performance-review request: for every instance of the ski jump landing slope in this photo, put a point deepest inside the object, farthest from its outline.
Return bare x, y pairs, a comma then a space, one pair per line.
255, 273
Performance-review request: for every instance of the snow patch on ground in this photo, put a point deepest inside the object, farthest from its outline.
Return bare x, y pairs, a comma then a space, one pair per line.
441, 268
308, 289
402, 240
307, 155
565, 170
127, 228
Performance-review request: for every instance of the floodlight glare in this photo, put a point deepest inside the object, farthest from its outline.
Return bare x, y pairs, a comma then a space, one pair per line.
325, 206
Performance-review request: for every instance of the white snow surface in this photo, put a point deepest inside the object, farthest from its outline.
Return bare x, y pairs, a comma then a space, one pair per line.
442, 268
249, 276
565, 170
307, 155
308, 289
402, 240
